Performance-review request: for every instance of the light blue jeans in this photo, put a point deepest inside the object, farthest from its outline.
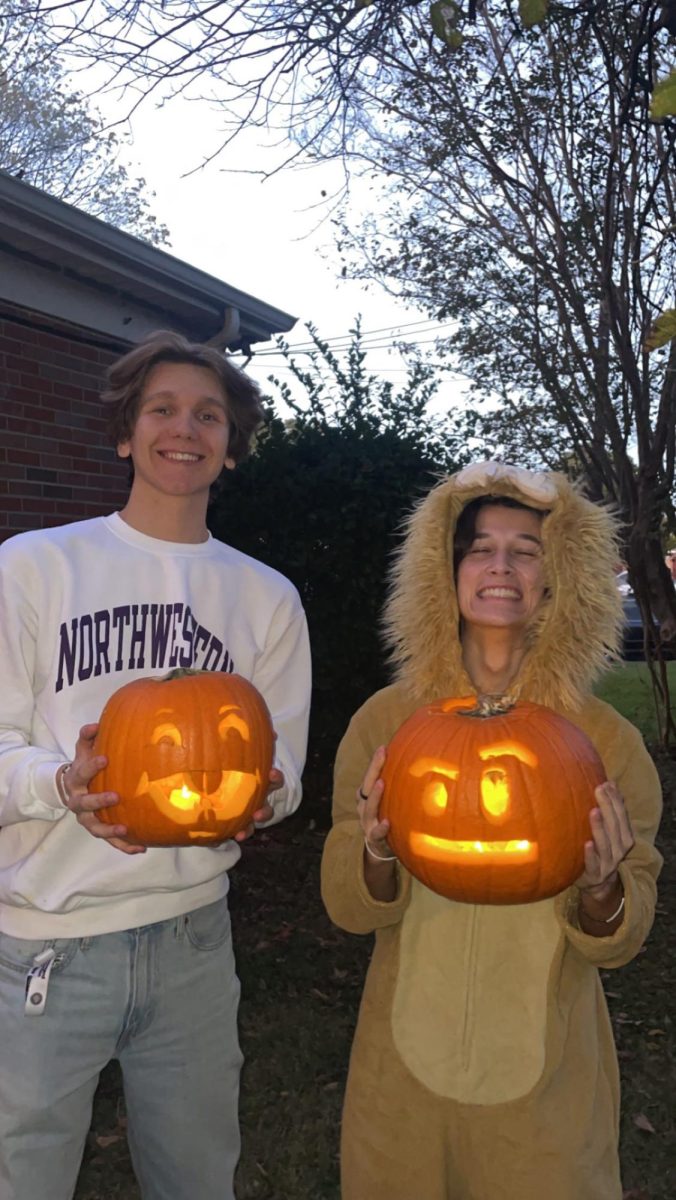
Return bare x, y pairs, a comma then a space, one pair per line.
163, 1000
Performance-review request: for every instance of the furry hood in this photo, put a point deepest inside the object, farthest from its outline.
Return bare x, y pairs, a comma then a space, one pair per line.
578, 628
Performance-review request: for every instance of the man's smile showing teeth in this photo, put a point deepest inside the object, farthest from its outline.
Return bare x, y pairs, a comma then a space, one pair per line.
179, 456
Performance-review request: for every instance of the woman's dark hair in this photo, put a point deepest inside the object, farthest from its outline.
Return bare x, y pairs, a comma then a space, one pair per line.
127, 376
465, 530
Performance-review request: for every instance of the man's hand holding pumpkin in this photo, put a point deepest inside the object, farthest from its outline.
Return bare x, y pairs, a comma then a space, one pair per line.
263, 814
73, 786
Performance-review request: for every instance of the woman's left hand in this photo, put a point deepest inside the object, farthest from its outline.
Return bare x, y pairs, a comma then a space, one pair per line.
612, 839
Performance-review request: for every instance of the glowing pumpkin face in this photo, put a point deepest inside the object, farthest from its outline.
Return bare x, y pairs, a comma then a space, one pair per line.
490, 809
189, 755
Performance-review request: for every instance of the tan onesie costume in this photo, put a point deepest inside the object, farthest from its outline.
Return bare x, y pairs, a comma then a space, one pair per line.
483, 1065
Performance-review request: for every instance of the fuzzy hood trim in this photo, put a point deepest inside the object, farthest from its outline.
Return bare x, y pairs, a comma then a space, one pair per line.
578, 630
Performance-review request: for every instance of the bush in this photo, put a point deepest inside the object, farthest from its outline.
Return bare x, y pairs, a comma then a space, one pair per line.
321, 500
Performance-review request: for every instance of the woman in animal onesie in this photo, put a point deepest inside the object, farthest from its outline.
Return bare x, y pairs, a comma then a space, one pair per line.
483, 1064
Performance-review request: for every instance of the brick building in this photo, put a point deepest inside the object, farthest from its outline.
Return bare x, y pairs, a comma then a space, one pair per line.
75, 293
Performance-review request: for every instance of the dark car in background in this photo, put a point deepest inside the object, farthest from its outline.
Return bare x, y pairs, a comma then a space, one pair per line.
632, 642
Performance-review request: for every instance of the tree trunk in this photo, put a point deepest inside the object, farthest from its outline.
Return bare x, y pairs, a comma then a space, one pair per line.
656, 597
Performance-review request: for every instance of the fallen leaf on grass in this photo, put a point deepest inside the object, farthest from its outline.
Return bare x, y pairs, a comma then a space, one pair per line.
657, 1033
104, 1140
642, 1122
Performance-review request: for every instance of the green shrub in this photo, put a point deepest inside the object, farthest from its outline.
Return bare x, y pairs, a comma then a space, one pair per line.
321, 500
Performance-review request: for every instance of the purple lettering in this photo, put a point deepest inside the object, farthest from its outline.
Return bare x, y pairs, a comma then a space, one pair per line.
101, 639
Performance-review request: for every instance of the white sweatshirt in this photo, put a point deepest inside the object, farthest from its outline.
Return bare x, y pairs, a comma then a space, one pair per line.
84, 609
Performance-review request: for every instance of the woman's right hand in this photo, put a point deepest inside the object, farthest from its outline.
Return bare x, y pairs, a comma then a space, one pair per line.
369, 795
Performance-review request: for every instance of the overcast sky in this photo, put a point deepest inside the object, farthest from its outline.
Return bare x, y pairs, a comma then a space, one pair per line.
265, 237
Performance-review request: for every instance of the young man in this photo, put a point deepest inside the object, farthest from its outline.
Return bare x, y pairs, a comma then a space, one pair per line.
108, 950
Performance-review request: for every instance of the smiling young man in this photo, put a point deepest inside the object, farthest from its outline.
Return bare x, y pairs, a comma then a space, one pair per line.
108, 950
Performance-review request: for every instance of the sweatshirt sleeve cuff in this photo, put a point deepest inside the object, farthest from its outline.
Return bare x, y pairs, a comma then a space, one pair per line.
347, 898
618, 947
393, 908
47, 804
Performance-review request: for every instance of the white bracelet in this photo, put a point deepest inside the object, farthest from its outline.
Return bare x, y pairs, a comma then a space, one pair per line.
618, 910
379, 857
61, 771
605, 920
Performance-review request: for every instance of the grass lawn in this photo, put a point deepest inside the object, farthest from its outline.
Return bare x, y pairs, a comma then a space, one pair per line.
629, 689
301, 982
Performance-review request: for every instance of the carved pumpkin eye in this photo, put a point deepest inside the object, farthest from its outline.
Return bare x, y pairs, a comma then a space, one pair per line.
495, 779
231, 718
435, 794
495, 792
166, 734
434, 797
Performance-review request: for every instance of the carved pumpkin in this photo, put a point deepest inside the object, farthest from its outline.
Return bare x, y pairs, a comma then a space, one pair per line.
189, 755
490, 806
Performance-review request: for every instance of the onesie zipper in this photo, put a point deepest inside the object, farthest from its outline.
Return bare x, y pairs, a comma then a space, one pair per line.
470, 966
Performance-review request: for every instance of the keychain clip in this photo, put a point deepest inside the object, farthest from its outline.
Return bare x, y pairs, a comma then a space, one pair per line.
37, 982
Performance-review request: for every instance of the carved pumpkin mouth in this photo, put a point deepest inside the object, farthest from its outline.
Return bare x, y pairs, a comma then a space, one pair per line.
473, 852
175, 795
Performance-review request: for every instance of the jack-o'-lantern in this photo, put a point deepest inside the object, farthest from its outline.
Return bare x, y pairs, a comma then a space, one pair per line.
189, 754
489, 803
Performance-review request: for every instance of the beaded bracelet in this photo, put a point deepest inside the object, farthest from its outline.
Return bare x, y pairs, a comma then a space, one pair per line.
379, 857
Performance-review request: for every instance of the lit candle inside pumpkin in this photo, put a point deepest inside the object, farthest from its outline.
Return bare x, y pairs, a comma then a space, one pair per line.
183, 798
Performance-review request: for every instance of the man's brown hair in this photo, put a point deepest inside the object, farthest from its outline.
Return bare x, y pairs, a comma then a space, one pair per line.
127, 376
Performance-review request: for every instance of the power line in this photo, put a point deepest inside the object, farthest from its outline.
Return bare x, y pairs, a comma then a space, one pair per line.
374, 369
267, 354
310, 346
385, 329
379, 345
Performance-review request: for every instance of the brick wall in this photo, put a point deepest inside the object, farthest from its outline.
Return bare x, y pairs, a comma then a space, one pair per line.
55, 463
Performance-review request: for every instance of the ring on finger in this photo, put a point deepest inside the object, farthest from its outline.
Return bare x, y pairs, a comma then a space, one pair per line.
362, 794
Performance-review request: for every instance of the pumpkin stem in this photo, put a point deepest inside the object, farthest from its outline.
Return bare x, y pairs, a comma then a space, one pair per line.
180, 673
490, 705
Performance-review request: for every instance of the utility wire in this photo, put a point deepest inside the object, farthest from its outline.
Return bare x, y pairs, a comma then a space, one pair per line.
388, 328
340, 349
372, 370
348, 339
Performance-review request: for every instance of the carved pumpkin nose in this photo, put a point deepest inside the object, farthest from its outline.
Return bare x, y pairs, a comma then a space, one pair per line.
204, 781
